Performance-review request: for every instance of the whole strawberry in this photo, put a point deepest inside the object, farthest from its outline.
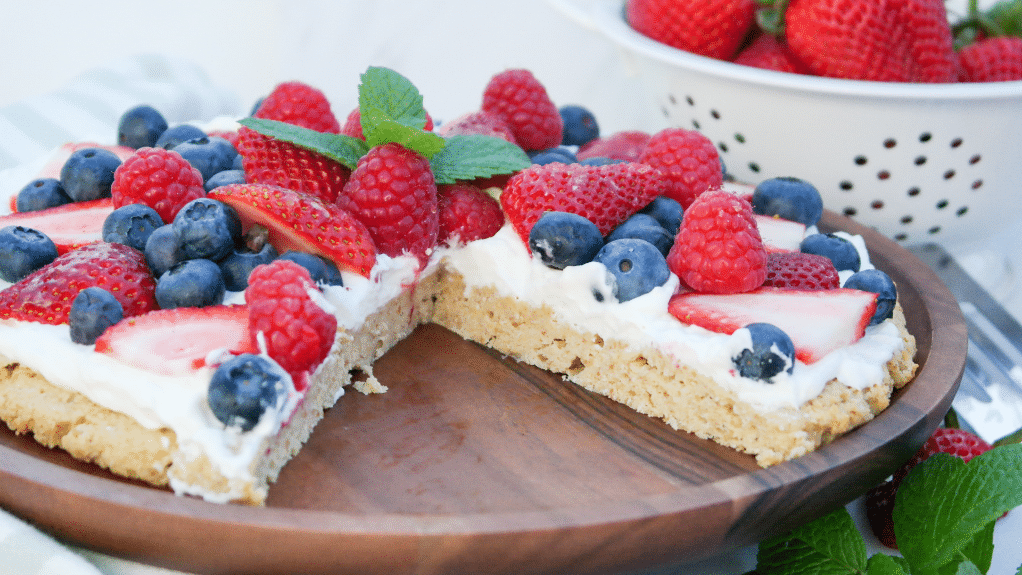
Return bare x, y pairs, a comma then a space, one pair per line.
517, 97
713, 28
299, 104
158, 178
467, 213
275, 162
997, 59
688, 161
768, 52
718, 248
880, 40
393, 193
45, 296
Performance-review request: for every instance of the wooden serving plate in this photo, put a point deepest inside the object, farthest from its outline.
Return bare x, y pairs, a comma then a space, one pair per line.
473, 463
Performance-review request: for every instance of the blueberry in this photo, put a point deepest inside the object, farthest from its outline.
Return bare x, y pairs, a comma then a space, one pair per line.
88, 173
162, 251
601, 161
191, 283
562, 239
772, 352
237, 266
643, 227
42, 193
225, 178
92, 311
140, 127
23, 251
552, 155
207, 229
667, 211
580, 126
243, 388
788, 198
208, 154
178, 134
239, 163
637, 265
880, 283
131, 225
840, 251
314, 264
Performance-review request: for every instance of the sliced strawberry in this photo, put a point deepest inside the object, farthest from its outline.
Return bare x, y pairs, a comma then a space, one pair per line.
69, 226
778, 234
818, 322
177, 341
302, 222
56, 161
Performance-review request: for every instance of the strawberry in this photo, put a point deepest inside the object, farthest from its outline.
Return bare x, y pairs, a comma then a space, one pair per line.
467, 213
779, 234
479, 122
299, 104
818, 322
45, 296
606, 195
770, 53
713, 28
69, 226
882, 40
718, 248
302, 222
177, 341
158, 178
517, 97
626, 145
353, 124
60, 156
279, 163
393, 193
799, 271
687, 159
297, 332
229, 135
997, 59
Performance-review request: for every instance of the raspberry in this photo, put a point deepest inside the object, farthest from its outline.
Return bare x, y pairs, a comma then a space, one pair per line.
992, 60
229, 135
278, 163
45, 296
718, 248
479, 122
687, 159
605, 195
393, 193
158, 178
299, 104
353, 125
796, 270
627, 145
522, 102
298, 333
467, 213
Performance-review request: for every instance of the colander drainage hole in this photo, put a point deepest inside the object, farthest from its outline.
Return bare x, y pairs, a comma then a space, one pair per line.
846, 186
890, 143
850, 211
860, 160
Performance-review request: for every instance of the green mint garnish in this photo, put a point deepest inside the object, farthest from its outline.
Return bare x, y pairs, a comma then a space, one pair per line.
344, 149
468, 157
944, 518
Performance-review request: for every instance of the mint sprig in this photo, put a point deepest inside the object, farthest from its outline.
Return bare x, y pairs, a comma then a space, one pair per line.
944, 518
468, 157
338, 147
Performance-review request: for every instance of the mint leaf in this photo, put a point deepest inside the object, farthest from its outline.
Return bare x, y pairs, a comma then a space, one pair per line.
384, 94
944, 507
426, 143
968, 568
338, 147
831, 545
467, 157
881, 564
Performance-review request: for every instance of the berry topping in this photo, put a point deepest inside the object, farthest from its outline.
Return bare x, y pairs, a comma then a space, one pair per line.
41, 193
243, 388
131, 225
279, 163
878, 282
687, 159
769, 353
209, 154
207, 229
580, 125
23, 251
644, 227
297, 331
299, 104
177, 341
522, 102
799, 271
303, 223
779, 235
719, 249
636, 265
88, 173
178, 134
236, 267
393, 193
562, 239
626, 145
467, 213
666, 212
45, 296
191, 283
161, 179
480, 123
140, 127
840, 250
162, 250
69, 226
93, 310
788, 198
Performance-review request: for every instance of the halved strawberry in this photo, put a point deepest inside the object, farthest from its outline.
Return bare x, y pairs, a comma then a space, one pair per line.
177, 341
778, 234
60, 156
69, 226
302, 222
818, 322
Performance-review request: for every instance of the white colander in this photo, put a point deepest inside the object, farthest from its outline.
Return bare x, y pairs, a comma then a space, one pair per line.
918, 162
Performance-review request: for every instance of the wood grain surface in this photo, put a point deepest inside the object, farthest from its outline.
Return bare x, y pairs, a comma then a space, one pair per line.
473, 463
